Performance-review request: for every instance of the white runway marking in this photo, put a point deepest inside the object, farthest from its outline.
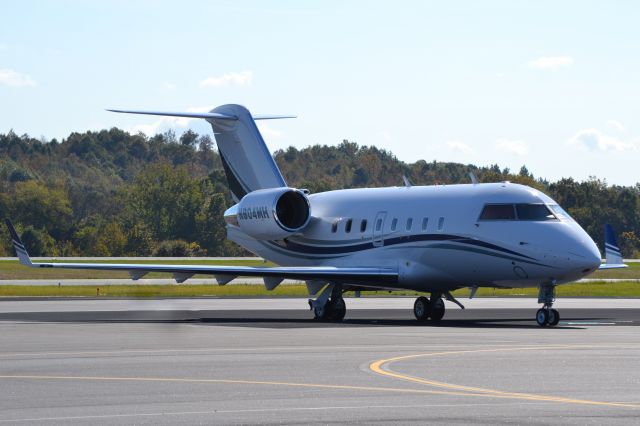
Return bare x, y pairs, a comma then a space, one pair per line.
256, 410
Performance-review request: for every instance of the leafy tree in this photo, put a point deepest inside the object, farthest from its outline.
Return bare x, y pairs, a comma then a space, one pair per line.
38, 242
211, 225
167, 200
189, 138
112, 240
42, 207
177, 248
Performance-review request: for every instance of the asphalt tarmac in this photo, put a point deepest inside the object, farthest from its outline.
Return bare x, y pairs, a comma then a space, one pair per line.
265, 361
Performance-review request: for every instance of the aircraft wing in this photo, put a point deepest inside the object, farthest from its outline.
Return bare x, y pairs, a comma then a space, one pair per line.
376, 277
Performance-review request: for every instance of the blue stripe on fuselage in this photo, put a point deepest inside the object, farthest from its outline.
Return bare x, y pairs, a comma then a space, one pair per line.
336, 250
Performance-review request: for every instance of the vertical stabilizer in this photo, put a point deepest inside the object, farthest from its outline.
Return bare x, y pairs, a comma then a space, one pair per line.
247, 161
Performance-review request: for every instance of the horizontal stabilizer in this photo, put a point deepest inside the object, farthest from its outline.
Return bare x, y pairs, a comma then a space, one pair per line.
205, 115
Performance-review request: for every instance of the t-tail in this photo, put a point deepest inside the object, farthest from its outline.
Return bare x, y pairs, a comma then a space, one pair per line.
245, 157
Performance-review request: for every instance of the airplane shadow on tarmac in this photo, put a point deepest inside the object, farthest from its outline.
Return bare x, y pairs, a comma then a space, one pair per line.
478, 318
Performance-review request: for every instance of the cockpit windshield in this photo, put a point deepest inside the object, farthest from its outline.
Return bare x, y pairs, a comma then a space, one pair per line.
534, 212
523, 212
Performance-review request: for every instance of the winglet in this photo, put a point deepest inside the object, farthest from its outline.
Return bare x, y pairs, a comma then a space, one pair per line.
18, 246
613, 256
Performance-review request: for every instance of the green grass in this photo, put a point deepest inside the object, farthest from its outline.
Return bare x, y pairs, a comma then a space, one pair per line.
12, 270
595, 289
632, 272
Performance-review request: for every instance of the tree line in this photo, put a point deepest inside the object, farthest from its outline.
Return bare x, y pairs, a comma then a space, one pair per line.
111, 193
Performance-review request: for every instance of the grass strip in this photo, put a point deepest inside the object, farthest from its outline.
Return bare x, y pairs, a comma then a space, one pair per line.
13, 270
592, 289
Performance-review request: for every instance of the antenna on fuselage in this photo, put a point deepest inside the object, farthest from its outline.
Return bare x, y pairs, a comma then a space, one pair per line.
474, 179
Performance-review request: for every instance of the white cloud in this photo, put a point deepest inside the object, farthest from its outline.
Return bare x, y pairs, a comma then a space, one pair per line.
165, 123
168, 86
595, 140
551, 63
460, 147
12, 78
267, 131
616, 125
511, 146
242, 78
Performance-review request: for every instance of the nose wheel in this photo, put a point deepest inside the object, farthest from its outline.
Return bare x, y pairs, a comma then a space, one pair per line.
547, 316
425, 309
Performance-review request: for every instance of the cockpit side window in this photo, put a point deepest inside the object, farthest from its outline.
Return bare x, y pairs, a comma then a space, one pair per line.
498, 212
560, 212
534, 212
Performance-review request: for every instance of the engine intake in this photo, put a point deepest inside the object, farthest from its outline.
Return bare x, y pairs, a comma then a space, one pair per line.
271, 214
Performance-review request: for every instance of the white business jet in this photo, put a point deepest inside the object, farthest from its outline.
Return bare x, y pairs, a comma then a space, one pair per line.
431, 239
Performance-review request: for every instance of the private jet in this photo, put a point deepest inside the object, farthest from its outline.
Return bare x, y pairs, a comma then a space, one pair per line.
429, 239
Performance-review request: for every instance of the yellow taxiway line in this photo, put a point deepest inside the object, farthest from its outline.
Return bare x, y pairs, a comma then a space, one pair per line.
382, 367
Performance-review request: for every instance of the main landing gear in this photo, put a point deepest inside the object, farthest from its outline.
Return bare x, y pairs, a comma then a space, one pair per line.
330, 305
432, 309
547, 316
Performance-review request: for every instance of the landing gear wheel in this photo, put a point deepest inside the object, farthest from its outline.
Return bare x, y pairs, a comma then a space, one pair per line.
554, 317
338, 309
437, 309
422, 308
542, 317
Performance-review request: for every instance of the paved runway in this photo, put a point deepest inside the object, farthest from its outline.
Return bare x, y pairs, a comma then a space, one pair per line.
264, 361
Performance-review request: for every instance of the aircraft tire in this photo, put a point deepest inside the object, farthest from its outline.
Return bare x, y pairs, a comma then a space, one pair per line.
437, 310
338, 309
554, 317
542, 317
422, 308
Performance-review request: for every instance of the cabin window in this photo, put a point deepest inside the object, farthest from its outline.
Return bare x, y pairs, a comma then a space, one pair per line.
394, 223
498, 212
378, 224
334, 226
347, 226
534, 212
425, 222
441, 224
363, 225
409, 224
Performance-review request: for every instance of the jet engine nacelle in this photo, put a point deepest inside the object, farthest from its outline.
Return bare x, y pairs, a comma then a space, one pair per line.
271, 214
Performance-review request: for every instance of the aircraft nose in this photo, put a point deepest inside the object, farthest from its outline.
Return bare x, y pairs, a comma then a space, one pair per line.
588, 258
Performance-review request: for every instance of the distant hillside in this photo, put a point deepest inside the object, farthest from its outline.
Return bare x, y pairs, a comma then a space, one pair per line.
110, 193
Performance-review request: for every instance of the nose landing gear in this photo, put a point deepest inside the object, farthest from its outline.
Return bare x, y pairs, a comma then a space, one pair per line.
433, 309
547, 316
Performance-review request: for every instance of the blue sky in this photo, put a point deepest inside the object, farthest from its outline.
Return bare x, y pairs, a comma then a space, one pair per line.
553, 85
